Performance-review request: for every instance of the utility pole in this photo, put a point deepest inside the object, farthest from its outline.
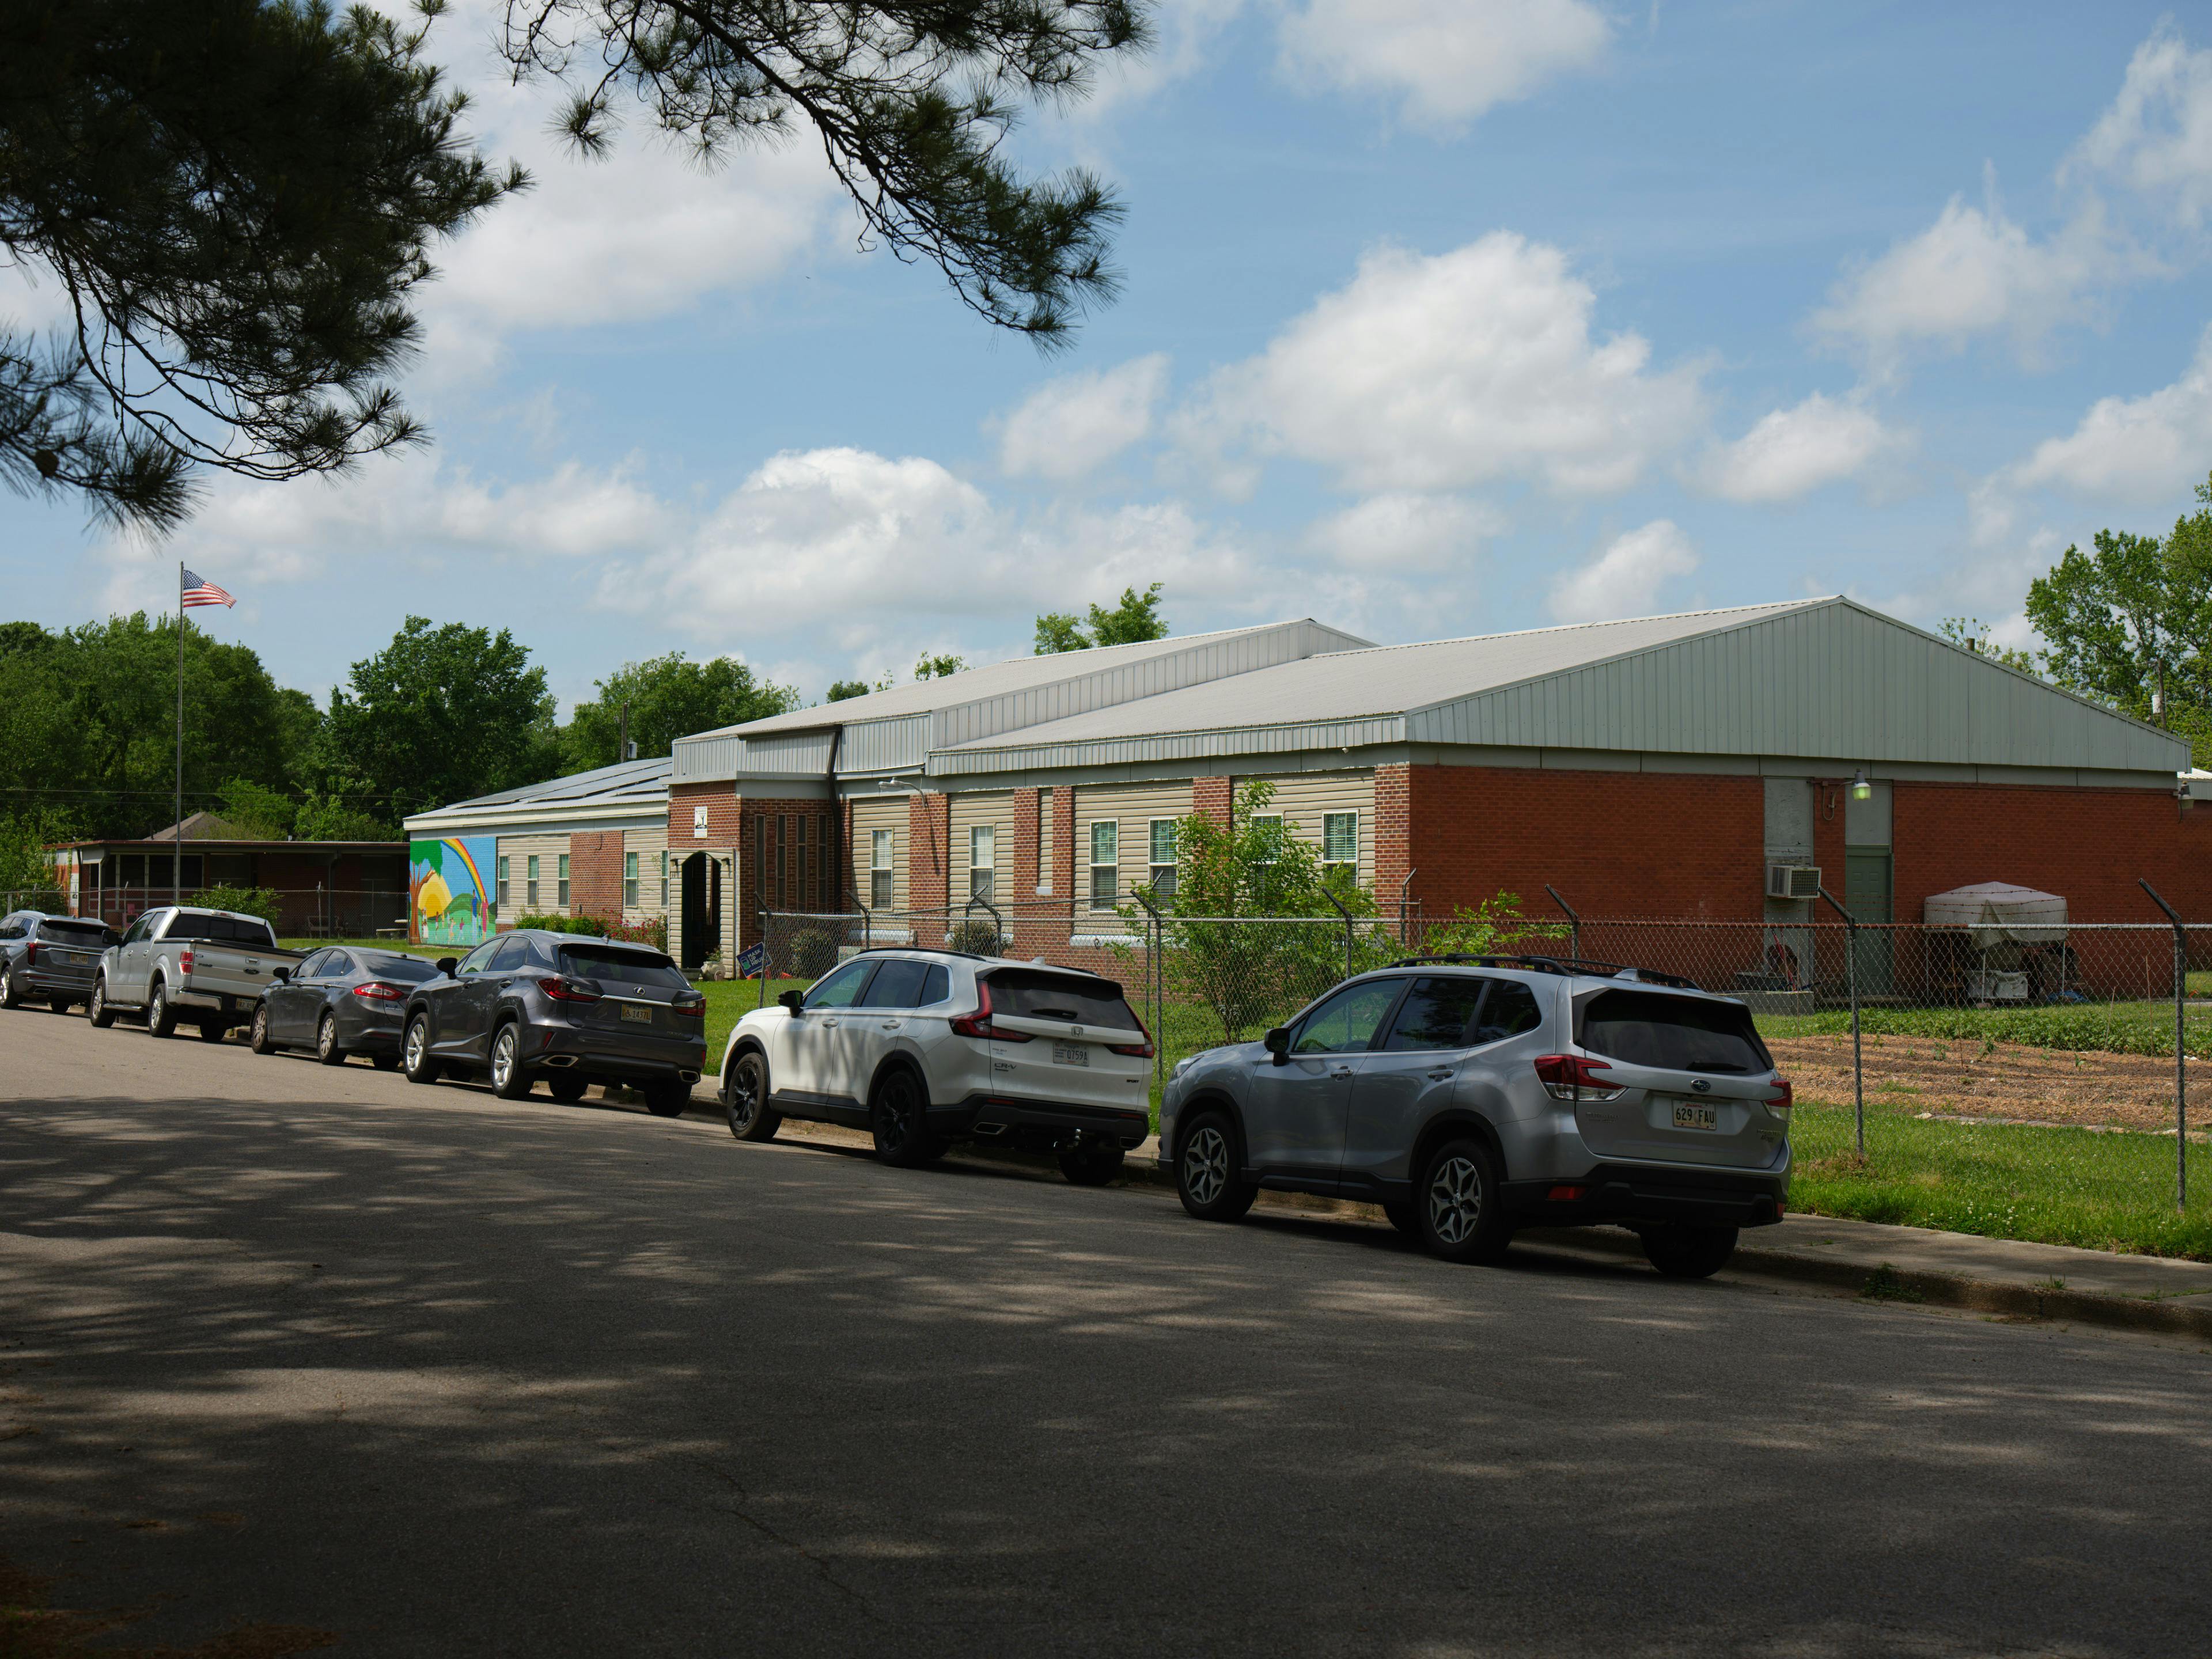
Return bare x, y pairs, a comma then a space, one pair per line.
2158, 697
177, 834
622, 746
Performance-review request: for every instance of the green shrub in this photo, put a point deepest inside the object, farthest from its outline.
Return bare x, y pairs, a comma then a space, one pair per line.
555, 922
246, 901
978, 937
813, 953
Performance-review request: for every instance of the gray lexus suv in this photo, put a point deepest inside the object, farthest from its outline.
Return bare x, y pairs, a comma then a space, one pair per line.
1472, 1096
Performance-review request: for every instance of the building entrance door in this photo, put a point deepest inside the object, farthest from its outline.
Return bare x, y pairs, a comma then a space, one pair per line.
699, 931
1867, 896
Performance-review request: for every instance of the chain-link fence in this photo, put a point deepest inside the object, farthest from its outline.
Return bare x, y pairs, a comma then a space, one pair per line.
2011, 1079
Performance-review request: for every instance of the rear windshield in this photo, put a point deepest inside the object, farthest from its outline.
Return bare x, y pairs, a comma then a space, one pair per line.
70, 931
413, 970
627, 967
1061, 996
1676, 1033
221, 930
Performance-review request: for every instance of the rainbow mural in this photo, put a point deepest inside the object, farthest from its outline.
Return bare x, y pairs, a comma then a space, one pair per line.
448, 900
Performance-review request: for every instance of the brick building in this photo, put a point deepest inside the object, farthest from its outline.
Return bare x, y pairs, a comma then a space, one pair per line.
322, 887
1656, 767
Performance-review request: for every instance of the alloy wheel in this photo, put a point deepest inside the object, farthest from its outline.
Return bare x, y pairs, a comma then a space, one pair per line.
1455, 1200
1205, 1164
502, 1057
744, 1098
326, 1037
418, 1038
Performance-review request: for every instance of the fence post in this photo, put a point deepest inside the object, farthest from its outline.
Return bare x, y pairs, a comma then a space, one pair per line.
867, 925
1156, 992
2180, 1051
1347, 914
1574, 923
1405, 936
1851, 978
765, 954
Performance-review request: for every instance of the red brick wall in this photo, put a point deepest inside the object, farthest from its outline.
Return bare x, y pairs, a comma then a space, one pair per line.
1213, 797
1063, 844
722, 814
1614, 843
1393, 831
595, 865
800, 886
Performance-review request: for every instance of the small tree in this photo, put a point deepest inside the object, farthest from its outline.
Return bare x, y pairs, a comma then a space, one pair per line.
1136, 619
260, 901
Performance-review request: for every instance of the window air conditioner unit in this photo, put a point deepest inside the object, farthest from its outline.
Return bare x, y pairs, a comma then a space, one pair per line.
1793, 881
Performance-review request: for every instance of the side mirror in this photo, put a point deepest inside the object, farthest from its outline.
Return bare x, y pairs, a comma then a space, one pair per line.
792, 1000
446, 965
1278, 1044
280, 973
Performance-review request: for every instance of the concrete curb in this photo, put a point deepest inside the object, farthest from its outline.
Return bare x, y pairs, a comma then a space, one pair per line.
1876, 1280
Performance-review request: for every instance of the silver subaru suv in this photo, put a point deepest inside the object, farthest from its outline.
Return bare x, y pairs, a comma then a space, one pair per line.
1471, 1096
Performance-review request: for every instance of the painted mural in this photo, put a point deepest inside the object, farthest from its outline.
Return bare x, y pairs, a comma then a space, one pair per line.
449, 900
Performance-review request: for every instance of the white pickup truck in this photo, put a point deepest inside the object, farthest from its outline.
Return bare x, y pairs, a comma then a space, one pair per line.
206, 968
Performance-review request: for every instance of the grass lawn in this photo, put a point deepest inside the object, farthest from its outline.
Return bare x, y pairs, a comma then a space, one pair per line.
2119, 1028
428, 952
2106, 1191
728, 1001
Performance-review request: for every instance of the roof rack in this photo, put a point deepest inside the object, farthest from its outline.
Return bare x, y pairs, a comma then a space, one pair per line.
1561, 965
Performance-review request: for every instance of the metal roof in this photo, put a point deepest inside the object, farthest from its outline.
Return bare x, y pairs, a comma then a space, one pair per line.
1816, 678
645, 779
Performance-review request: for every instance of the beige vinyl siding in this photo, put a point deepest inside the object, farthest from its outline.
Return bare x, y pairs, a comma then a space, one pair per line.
994, 808
1133, 806
648, 845
870, 814
1306, 798
517, 851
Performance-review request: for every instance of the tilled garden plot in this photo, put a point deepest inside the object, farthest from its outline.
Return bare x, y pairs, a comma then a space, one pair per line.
1998, 1080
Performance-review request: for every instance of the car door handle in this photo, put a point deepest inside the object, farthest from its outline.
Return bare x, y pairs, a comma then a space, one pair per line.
1439, 1076
1341, 1071
829, 1022
890, 1025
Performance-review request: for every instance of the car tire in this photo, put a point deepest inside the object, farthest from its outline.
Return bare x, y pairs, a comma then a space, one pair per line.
567, 1087
327, 1040
1460, 1212
1404, 1216
97, 1010
60, 1005
1680, 1251
160, 1017
11, 987
744, 1100
421, 1065
1091, 1166
509, 1081
385, 1062
258, 1038
213, 1030
667, 1099
1209, 1170
897, 1116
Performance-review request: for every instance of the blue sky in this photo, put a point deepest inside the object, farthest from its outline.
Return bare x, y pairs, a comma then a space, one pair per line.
1442, 317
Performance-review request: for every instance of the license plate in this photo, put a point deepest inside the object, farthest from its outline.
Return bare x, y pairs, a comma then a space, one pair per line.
1070, 1054
637, 1013
1688, 1115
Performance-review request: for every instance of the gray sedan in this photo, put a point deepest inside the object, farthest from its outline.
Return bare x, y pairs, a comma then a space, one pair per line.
340, 1001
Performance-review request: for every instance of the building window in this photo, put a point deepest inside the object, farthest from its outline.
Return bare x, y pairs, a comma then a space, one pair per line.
1105, 865
983, 861
629, 881
1272, 822
881, 892
800, 894
563, 899
1340, 843
824, 898
1044, 846
502, 880
530, 881
664, 881
1162, 860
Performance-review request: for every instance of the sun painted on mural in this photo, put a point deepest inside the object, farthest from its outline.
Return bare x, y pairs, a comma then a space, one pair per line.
449, 902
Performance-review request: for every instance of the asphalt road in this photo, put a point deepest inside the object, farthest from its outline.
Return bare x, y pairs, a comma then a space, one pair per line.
441, 1375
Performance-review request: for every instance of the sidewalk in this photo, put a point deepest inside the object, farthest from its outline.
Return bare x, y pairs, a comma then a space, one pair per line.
1902, 1264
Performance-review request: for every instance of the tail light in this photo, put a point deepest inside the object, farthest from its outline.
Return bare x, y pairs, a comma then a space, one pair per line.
378, 990
1576, 1077
1135, 1051
1784, 1097
31, 954
569, 990
185, 959
692, 1010
978, 1024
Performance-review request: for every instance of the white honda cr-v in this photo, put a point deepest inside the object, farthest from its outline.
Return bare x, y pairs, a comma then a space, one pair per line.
925, 1048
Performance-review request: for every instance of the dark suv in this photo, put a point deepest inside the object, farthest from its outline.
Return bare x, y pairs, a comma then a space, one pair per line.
54, 959
574, 1010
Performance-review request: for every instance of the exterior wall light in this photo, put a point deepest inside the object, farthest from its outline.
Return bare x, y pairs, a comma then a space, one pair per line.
1860, 789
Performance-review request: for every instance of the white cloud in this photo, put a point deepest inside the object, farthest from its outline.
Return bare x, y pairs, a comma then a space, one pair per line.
1184, 31
1429, 373
1624, 580
1070, 425
1791, 452
2147, 449
2156, 138
1401, 530
1449, 60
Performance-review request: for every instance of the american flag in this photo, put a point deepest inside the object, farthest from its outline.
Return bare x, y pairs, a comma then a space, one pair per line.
198, 590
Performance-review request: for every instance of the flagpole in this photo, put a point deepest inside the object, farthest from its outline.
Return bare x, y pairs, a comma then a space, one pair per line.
177, 850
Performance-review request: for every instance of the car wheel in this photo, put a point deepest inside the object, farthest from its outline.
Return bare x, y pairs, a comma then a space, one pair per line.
1680, 1251
509, 1080
213, 1030
744, 1100
1209, 1177
60, 1005
385, 1062
902, 1137
1092, 1164
258, 1038
97, 1010
415, 1051
667, 1099
326, 1042
161, 1018
11, 988
1404, 1216
1461, 1216
568, 1087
